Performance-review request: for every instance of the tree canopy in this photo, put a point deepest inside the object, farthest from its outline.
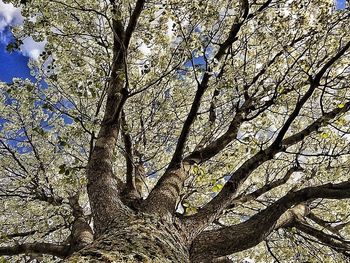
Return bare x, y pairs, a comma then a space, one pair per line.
229, 116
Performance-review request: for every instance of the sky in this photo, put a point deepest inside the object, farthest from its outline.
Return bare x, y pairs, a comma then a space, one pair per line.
15, 64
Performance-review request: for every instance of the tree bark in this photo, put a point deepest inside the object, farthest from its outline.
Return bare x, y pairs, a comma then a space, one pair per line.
140, 238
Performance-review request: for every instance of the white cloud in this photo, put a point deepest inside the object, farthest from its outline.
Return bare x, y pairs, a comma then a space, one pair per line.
9, 15
32, 49
4, 37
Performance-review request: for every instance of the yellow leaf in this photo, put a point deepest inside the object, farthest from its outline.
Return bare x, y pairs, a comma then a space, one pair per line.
191, 210
217, 188
341, 122
325, 135
341, 105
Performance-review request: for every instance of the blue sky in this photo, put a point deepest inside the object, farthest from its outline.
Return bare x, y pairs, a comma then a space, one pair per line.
341, 4
12, 64
15, 64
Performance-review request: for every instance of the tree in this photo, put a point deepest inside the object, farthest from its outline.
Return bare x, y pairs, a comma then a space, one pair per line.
178, 131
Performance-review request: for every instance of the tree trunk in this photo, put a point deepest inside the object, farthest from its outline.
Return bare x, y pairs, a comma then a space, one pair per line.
140, 238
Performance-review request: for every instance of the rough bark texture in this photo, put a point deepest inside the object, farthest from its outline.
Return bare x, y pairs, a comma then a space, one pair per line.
162, 200
141, 238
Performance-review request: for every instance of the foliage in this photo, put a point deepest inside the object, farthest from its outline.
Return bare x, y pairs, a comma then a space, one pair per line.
49, 128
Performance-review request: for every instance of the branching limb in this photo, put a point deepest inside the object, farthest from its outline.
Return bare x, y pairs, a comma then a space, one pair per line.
214, 208
228, 240
203, 154
235, 28
35, 190
103, 186
224, 199
133, 21
162, 199
81, 234
327, 225
203, 85
334, 242
130, 182
314, 83
267, 187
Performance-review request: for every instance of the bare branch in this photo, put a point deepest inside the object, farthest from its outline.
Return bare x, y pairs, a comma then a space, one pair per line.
203, 85
21, 234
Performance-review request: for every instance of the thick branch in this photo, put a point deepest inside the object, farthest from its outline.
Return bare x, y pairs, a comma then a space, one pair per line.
36, 248
167, 190
334, 242
103, 186
234, 30
226, 196
163, 198
81, 234
130, 182
133, 21
232, 37
314, 84
205, 153
228, 240
130, 195
219, 144
267, 187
